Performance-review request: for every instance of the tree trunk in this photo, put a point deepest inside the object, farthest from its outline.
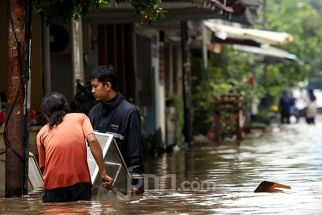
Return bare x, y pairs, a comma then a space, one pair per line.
14, 128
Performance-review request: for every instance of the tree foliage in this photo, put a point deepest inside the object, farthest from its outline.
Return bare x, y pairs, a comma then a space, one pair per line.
301, 20
304, 23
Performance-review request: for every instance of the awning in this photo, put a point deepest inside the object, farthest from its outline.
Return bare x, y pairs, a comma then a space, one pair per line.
268, 52
225, 32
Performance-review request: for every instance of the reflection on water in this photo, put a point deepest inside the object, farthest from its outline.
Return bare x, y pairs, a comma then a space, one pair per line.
220, 179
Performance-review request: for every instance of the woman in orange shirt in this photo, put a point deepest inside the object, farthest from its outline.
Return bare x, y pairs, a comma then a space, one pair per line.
62, 152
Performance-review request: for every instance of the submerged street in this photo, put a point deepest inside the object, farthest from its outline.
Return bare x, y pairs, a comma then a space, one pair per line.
154, 74
218, 179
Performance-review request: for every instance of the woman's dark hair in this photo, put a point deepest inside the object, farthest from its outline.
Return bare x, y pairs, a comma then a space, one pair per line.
55, 106
104, 74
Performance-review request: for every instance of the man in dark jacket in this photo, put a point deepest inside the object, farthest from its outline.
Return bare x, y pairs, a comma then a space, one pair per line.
115, 115
285, 106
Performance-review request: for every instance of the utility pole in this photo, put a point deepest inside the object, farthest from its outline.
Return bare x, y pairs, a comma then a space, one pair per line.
27, 87
14, 126
186, 83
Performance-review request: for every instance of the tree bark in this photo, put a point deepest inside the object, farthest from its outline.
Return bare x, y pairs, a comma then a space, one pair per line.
14, 127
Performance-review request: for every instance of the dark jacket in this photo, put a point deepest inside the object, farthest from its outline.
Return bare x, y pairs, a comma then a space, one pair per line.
285, 104
121, 118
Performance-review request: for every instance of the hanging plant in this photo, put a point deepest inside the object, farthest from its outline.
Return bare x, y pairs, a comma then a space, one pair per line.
147, 10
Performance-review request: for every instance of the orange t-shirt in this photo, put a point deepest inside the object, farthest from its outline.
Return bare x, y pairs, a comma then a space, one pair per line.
62, 151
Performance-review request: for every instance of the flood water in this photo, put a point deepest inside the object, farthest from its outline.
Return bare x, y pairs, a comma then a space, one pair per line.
217, 179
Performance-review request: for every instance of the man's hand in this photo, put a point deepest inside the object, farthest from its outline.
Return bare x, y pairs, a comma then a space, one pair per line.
108, 182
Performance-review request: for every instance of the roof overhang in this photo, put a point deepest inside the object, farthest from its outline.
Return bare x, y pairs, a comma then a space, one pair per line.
124, 12
269, 53
230, 34
175, 11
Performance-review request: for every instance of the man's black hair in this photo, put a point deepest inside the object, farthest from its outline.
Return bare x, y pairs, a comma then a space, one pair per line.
104, 74
55, 106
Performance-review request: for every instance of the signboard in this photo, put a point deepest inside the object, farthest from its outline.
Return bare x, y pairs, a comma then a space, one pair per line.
114, 165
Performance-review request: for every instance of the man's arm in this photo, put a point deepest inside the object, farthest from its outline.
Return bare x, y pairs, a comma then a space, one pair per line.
98, 156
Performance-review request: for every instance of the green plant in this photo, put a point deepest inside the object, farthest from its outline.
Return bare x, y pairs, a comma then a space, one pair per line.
226, 73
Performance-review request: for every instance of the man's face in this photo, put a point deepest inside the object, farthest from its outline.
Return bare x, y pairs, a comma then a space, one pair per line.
100, 90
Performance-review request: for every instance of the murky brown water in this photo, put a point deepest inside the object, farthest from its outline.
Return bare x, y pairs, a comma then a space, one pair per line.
220, 179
